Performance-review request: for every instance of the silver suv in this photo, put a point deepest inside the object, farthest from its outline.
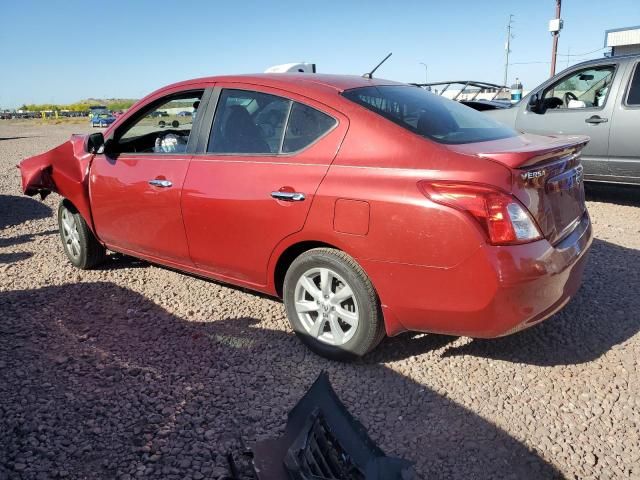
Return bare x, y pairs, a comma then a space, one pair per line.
599, 98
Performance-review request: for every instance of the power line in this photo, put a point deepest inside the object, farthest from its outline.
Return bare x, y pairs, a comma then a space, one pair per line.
560, 54
527, 63
580, 54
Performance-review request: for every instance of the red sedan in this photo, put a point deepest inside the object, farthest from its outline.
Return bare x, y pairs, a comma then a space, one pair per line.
369, 206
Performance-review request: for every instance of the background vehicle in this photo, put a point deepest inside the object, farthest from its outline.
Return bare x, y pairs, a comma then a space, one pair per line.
102, 120
367, 205
599, 98
477, 95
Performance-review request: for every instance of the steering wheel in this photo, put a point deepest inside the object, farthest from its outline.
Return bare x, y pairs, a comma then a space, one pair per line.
170, 142
569, 96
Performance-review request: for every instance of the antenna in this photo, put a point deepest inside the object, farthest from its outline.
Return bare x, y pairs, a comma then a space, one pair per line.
370, 74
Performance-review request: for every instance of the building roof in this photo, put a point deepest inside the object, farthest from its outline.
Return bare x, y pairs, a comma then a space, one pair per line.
618, 37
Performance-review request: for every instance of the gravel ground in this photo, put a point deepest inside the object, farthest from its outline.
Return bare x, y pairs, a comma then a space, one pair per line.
135, 371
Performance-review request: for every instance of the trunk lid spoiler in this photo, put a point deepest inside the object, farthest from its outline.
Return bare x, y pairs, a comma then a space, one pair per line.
546, 176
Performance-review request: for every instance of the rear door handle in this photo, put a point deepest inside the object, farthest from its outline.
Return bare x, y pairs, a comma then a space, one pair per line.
596, 119
288, 196
156, 182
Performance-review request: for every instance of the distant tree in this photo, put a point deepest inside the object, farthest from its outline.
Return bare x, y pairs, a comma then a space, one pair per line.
81, 106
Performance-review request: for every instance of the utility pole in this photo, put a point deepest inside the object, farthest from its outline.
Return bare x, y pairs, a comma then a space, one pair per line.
555, 26
507, 50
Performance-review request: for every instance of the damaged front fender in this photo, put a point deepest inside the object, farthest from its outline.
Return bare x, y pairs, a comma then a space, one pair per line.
64, 170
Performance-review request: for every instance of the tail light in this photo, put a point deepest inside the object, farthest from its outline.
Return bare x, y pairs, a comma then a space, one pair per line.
504, 219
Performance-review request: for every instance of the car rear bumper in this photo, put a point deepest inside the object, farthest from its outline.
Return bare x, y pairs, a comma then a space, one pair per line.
496, 291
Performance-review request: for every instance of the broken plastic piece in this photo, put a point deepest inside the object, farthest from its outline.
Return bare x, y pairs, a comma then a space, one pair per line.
323, 441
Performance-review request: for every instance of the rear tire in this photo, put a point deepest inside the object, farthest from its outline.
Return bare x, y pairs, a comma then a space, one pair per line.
332, 305
79, 243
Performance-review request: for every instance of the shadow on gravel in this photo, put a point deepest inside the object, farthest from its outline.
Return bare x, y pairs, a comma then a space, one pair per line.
617, 194
18, 138
15, 210
99, 382
117, 261
14, 257
19, 239
406, 345
603, 315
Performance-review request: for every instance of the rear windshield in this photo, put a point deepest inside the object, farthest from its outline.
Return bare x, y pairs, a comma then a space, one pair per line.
429, 115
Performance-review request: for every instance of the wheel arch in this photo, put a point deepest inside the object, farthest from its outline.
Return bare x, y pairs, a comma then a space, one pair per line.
69, 205
89, 221
289, 255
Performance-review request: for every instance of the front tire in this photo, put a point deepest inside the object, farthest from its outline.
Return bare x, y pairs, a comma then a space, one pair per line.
332, 305
80, 245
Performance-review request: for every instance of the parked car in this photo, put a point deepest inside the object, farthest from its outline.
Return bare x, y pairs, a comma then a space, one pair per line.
369, 206
477, 95
599, 98
102, 120
158, 114
184, 113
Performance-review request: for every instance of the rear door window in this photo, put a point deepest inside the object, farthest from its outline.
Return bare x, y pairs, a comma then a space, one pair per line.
633, 97
250, 122
305, 126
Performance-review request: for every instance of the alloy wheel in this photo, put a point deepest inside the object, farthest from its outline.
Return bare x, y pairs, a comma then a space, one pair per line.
70, 234
326, 306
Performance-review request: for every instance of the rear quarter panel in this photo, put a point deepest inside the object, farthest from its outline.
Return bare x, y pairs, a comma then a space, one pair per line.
381, 163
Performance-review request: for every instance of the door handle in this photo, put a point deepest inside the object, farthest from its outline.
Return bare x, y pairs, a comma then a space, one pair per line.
288, 196
160, 183
596, 119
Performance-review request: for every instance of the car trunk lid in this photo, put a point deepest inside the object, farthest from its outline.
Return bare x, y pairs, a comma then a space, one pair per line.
547, 177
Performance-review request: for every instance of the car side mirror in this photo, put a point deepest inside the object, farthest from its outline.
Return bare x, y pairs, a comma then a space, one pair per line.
535, 105
110, 148
94, 143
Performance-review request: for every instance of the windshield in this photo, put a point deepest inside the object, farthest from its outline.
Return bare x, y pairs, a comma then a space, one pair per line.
429, 115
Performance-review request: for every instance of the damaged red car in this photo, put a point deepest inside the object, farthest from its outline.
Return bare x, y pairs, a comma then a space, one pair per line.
370, 207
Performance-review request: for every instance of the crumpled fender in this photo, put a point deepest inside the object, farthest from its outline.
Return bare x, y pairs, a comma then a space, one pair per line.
64, 170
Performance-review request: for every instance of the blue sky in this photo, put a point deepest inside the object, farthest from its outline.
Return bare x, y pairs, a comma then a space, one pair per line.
66, 51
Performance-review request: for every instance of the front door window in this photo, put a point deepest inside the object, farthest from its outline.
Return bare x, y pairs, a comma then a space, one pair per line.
162, 128
587, 88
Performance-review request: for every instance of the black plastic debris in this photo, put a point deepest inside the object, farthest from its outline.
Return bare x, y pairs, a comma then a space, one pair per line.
323, 441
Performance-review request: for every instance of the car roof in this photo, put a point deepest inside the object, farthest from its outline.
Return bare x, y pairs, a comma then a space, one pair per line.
301, 83
616, 58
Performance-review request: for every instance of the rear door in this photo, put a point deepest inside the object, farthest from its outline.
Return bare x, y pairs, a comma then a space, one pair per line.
255, 175
136, 186
578, 103
624, 145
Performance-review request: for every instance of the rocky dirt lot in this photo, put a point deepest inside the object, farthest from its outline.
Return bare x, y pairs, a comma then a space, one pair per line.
136, 371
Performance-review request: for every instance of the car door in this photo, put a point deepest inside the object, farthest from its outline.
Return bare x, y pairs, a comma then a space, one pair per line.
135, 185
578, 103
624, 144
255, 177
